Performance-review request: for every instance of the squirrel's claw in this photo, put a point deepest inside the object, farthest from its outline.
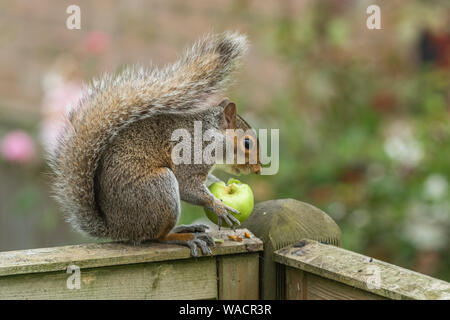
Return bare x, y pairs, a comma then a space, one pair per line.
235, 211
223, 213
196, 240
202, 241
229, 219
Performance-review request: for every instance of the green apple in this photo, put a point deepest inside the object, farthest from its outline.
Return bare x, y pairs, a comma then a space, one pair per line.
235, 194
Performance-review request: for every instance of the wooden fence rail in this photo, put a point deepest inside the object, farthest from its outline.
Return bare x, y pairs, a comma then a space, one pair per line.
300, 259
121, 271
319, 271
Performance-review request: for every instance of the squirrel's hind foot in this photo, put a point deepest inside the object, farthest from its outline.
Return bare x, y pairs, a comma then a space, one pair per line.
191, 240
192, 228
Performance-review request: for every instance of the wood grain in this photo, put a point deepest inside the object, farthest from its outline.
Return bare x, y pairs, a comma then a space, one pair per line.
239, 277
183, 279
295, 284
301, 285
111, 253
359, 271
123, 271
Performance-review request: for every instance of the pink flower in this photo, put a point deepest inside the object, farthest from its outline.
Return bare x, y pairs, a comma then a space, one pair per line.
96, 42
18, 147
62, 97
58, 101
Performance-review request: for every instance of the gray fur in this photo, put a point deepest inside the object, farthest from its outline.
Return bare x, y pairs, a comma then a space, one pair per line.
113, 173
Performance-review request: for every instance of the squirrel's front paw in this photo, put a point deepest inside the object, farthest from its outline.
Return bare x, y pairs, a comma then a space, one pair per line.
223, 213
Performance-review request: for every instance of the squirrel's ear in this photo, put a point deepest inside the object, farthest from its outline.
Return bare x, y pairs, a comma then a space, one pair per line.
229, 114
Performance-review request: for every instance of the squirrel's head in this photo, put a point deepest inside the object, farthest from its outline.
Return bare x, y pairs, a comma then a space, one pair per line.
244, 142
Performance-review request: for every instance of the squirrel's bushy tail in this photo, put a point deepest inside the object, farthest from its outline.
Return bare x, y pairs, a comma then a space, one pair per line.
194, 82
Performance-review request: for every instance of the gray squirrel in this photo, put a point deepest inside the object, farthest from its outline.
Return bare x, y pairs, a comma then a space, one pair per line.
113, 172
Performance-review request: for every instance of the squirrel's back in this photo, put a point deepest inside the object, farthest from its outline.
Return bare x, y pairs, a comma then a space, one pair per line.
193, 83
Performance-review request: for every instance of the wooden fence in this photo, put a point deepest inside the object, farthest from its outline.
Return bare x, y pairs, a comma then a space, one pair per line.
301, 259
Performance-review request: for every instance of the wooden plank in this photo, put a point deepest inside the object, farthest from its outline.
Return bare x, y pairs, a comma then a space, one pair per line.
295, 284
238, 277
318, 288
110, 254
365, 273
301, 285
183, 279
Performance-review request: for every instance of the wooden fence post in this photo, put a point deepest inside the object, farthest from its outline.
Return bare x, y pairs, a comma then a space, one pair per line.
279, 223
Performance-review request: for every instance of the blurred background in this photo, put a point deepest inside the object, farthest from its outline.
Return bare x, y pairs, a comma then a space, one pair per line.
363, 114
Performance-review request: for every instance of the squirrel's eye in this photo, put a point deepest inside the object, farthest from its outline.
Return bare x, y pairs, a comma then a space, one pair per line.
247, 143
